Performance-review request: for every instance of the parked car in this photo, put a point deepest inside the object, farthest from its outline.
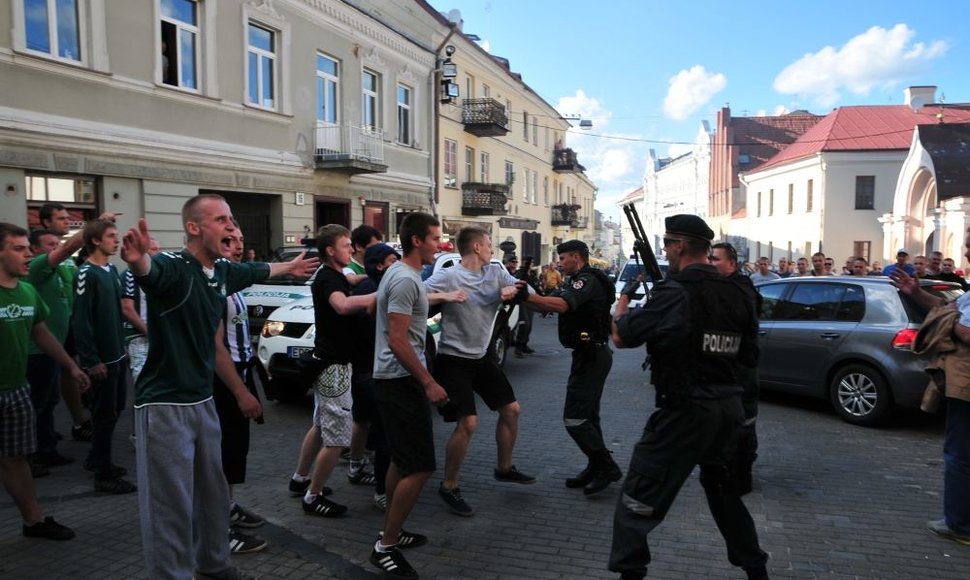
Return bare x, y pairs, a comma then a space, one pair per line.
290, 331
845, 339
632, 269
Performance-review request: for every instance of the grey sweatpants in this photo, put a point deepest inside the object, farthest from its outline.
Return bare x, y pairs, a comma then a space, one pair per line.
183, 497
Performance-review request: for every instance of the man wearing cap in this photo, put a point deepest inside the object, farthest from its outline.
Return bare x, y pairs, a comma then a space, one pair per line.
699, 327
584, 303
902, 256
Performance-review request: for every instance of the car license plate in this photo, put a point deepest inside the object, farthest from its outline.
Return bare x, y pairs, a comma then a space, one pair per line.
296, 351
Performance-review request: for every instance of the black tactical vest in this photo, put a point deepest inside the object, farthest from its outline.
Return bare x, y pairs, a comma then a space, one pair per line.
590, 323
722, 332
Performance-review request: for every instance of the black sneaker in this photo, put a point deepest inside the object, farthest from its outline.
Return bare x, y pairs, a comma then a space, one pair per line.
527, 350
113, 471
361, 477
114, 485
602, 479
393, 564
324, 507
82, 432
49, 530
455, 502
406, 539
513, 475
243, 518
240, 543
298, 488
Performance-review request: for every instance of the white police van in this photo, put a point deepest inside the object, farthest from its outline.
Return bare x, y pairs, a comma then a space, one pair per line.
290, 330
632, 269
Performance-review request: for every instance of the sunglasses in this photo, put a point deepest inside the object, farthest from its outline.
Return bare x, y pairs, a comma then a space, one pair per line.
668, 241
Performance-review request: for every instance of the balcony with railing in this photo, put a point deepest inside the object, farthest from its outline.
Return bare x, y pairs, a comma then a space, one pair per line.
484, 117
484, 198
349, 149
565, 161
565, 214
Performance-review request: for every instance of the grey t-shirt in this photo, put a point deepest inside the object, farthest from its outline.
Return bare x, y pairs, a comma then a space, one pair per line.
466, 328
400, 292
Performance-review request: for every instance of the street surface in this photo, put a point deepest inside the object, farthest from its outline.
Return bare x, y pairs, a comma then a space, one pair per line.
831, 501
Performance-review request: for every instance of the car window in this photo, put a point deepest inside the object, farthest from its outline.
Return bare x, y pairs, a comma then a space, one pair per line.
634, 269
811, 302
945, 291
853, 305
770, 297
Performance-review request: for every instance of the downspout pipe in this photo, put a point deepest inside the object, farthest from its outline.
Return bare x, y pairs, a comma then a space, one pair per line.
435, 90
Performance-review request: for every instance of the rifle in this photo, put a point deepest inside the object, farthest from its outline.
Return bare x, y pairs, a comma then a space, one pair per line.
641, 245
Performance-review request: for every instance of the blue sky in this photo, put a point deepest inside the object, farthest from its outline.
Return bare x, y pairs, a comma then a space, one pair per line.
648, 73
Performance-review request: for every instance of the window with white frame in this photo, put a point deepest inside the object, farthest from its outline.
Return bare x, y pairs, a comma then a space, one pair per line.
483, 167
527, 185
535, 187
486, 92
545, 190
261, 55
451, 163
469, 164
535, 131
328, 84
370, 97
53, 28
404, 96
509, 173
180, 43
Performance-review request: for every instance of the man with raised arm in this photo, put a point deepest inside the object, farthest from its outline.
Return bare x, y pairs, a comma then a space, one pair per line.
182, 491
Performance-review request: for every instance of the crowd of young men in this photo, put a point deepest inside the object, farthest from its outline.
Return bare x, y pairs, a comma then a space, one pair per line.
195, 396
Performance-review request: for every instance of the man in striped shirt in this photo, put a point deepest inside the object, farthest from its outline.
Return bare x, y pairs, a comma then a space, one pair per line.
235, 426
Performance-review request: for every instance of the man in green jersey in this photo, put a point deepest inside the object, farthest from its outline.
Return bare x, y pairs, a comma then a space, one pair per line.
97, 324
182, 491
22, 314
56, 219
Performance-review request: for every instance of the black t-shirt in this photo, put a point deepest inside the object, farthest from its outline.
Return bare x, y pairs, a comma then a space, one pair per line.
335, 333
366, 328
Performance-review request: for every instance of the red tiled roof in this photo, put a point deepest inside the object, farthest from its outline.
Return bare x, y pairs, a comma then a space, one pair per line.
867, 128
760, 138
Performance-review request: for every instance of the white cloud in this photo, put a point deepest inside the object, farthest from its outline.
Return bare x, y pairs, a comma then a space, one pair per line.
691, 89
612, 163
876, 58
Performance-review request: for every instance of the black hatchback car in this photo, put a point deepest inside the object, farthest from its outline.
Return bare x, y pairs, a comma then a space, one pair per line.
847, 339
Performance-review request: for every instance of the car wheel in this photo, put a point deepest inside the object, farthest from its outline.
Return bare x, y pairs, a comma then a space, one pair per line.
860, 395
500, 347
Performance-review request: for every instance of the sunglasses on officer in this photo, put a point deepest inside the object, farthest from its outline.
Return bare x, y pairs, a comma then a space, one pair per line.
669, 241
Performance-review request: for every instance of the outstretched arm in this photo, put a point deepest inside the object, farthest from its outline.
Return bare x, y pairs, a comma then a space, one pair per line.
298, 266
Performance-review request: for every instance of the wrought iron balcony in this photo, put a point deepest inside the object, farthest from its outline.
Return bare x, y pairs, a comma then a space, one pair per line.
565, 161
349, 149
484, 117
484, 198
565, 214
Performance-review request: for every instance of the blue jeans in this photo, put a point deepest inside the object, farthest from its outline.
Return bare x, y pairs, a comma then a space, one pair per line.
956, 466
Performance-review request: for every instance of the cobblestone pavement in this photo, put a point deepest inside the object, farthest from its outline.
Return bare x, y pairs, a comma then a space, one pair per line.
831, 501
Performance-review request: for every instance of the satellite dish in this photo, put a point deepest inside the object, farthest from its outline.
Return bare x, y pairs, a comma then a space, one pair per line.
454, 16
916, 103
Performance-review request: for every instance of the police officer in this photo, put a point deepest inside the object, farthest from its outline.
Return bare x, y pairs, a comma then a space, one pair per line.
584, 303
725, 258
699, 326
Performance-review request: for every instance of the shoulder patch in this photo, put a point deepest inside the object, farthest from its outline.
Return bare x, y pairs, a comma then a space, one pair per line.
578, 284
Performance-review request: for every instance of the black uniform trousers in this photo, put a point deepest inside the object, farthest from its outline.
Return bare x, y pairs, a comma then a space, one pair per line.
581, 413
695, 432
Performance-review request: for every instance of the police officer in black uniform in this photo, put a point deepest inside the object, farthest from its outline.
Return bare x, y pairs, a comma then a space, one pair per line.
584, 303
699, 327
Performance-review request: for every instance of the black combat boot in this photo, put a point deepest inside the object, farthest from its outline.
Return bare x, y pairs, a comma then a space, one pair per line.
605, 472
582, 479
